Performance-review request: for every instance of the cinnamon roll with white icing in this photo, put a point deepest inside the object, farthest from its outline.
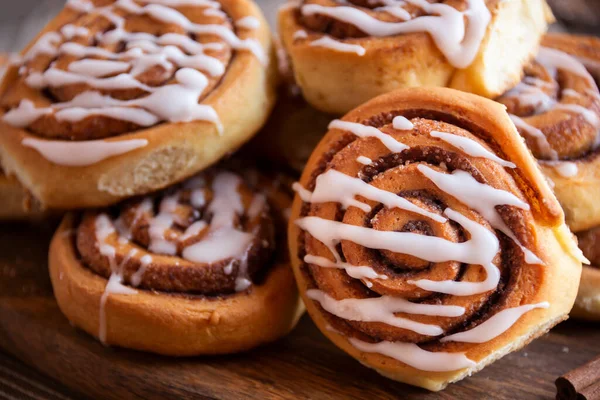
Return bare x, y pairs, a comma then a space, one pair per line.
121, 98
556, 108
201, 268
425, 241
346, 52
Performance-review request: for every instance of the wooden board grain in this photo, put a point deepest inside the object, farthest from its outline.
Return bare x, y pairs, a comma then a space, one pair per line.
303, 365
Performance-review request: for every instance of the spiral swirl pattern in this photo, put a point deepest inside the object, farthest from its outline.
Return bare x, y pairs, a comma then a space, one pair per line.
113, 67
557, 105
556, 108
418, 230
213, 235
199, 268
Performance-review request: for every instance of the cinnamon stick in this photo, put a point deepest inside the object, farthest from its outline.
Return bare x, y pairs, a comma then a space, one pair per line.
582, 383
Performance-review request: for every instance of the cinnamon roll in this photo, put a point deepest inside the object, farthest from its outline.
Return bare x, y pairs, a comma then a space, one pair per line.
425, 241
200, 268
121, 98
347, 52
587, 305
556, 108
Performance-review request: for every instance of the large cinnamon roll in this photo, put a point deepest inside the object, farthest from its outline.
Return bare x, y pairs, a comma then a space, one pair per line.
425, 241
122, 98
347, 52
556, 108
200, 268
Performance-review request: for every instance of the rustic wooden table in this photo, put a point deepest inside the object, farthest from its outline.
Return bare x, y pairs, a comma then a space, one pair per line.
304, 365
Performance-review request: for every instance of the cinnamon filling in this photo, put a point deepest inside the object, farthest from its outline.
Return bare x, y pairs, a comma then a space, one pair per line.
115, 67
394, 273
375, 9
556, 107
213, 235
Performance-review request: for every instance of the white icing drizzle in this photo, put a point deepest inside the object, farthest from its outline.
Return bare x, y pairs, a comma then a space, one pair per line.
590, 116
383, 309
248, 22
300, 34
495, 326
174, 102
71, 31
356, 272
542, 141
566, 169
402, 123
136, 278
335, 186
305, 194
553, 60
159, 243
470, 147
394, 8
104, 228
414, 356
83, 153
458, 35
482, 198
529, 93
480, 249
225, 208
336, 45
213, 12
223, 240
364, 160
363, 131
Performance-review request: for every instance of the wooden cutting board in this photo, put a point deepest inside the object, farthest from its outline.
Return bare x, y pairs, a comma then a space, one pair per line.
302, 366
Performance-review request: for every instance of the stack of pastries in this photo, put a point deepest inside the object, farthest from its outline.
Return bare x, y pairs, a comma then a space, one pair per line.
393, 279
427, 237
121, 112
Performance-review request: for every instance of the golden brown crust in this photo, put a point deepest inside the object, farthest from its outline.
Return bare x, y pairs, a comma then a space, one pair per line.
181, 306
572, 135
336, 82
242, 98
541, 229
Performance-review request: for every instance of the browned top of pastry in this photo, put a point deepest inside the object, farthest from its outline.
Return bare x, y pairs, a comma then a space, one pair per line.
100, 68
376, 9
437, 175
557, 105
